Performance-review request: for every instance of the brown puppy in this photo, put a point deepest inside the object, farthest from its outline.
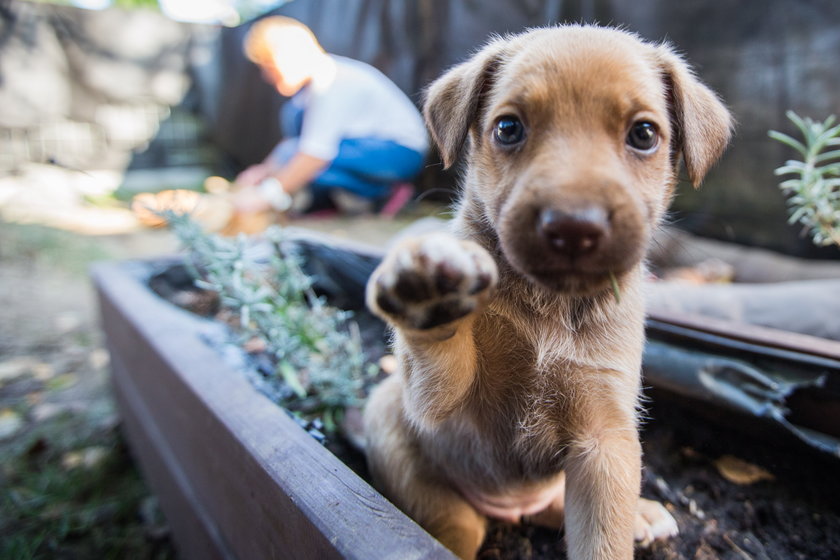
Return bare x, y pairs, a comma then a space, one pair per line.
520, 335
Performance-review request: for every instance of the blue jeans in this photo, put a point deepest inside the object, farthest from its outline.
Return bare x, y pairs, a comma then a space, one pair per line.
364, 166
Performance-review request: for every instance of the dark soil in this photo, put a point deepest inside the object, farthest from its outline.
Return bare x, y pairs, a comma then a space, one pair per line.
794, 516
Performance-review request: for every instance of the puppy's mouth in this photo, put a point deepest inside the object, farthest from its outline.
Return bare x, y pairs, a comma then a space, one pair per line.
576, 283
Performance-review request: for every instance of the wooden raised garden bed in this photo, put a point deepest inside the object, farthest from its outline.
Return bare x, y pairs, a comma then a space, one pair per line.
236, 477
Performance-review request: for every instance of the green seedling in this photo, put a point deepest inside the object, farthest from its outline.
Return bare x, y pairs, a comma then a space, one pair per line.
814, 190
317, 348
615, 288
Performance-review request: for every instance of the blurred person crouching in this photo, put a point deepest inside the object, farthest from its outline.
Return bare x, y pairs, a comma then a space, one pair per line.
350, 135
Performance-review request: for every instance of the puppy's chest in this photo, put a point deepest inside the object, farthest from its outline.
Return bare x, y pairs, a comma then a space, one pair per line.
515, 432
531, 359
524, 391
535, 414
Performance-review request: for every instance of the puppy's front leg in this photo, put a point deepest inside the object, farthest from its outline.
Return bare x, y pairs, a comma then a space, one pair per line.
430, 290
603, 472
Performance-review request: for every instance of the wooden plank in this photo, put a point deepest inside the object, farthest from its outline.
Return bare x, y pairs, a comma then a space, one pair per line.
752, 334
197, 536
268, 487
234, 494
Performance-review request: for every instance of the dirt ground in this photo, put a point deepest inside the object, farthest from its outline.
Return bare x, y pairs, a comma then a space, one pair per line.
68, 488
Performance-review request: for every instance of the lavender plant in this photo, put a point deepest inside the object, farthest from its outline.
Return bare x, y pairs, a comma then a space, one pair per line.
316, 348
814, 191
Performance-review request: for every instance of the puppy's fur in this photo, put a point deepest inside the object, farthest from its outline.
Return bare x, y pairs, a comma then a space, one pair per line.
519, 374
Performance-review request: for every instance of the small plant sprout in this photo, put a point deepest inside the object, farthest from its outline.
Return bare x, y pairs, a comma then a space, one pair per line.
814, 191
316, 348
615, 288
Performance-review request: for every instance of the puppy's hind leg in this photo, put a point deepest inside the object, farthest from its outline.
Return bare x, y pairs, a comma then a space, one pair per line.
401, 474
554, 516
450, 519
653, 522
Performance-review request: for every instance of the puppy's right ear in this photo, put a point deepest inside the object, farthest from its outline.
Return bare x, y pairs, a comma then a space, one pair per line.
703, 125
453, 101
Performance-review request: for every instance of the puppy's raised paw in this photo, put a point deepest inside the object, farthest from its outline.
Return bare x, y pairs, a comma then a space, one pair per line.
653, 522
431, 281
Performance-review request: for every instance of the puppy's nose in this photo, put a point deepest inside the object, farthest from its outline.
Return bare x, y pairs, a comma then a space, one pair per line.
574, 233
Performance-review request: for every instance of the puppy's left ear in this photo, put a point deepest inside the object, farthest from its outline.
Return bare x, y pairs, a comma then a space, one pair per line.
453, 101
702, 124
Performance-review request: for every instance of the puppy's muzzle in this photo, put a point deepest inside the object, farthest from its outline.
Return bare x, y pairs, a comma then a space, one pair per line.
574, 243
573, 234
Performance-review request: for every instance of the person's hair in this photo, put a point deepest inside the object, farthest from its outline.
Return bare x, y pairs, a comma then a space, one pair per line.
269, 34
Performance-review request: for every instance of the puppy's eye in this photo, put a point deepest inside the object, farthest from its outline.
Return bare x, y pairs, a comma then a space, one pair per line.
509, 131
643, 136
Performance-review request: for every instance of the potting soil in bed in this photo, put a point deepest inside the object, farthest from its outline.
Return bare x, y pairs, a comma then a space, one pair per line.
794, 513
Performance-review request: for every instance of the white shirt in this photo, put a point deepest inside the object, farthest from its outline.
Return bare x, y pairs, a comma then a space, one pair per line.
357, 101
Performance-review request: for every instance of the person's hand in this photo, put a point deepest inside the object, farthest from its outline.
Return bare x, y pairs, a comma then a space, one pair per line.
249, 200
253, 175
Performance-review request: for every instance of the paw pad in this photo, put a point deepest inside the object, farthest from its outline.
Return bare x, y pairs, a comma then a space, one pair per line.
432, 281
